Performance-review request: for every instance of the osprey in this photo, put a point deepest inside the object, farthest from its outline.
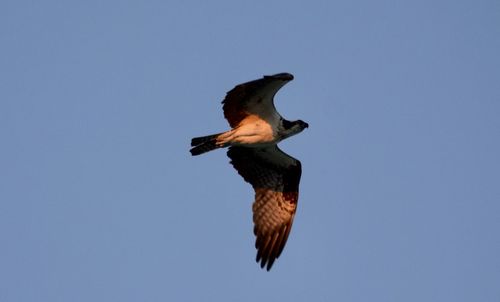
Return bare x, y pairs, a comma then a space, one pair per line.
257, 128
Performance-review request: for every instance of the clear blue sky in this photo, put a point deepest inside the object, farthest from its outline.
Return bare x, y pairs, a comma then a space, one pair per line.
100, 199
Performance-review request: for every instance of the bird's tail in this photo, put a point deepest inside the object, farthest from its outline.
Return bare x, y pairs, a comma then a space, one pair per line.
204, 144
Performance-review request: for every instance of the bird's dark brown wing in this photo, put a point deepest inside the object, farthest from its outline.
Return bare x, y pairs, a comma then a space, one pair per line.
275, 177
254, 97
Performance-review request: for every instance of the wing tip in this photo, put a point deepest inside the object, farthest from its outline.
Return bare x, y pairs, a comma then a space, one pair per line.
284, 76
270, 249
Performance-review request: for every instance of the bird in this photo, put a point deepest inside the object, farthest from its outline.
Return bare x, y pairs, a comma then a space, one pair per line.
256, 129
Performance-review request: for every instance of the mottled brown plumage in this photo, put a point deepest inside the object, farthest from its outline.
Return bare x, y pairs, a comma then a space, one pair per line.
275, 177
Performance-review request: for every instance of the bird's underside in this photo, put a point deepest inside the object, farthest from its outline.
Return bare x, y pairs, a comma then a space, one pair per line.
256, 129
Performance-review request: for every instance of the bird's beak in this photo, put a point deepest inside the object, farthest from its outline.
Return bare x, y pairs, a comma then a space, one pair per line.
306, 125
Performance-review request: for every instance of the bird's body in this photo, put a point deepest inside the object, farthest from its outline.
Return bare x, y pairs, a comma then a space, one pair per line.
253, 131
256, 129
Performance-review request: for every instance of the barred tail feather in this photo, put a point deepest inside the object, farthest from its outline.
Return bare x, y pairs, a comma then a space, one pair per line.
195, 141
204, 144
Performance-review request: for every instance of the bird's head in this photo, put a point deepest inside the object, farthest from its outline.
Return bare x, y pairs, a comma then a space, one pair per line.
292, 127
302, 125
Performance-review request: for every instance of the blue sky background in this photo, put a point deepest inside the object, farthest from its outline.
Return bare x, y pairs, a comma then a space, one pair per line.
100, 199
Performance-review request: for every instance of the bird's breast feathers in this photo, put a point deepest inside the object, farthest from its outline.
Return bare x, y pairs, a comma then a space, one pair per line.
252, 131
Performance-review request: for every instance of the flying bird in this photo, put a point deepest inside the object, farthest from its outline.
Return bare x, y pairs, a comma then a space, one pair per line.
257, 128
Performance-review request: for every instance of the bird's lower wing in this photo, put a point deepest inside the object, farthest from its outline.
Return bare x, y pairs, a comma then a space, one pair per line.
275, 177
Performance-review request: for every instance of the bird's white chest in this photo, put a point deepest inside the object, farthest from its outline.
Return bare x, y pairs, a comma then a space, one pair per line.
253, 131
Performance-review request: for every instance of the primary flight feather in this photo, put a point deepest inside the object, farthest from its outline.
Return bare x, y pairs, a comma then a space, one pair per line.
257, 128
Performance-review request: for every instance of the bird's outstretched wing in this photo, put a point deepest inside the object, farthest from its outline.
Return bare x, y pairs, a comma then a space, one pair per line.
254, 98
275, 177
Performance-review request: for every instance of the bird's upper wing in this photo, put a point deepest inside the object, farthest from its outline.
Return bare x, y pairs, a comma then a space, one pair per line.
254, 97
275, 177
